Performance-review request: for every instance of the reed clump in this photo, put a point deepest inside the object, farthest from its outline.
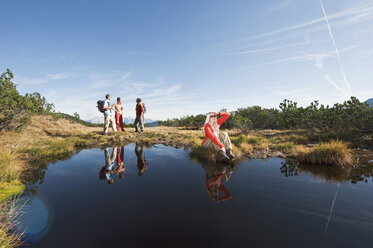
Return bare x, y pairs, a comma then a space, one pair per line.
9, 213
10, 165
333, 153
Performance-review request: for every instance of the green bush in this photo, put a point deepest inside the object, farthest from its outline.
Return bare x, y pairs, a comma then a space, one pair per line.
351, 115
15, 109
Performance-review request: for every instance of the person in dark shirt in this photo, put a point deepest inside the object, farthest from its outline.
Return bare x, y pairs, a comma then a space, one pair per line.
139, 121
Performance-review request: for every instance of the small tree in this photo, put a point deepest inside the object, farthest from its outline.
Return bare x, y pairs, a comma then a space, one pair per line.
76, 116
15, 109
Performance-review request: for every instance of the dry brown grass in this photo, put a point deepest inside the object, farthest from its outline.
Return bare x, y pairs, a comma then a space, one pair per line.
9, 238
246, 148
334, 153
10, 165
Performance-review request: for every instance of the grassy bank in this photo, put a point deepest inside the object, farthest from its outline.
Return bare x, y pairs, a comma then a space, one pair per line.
47, 140
10, 186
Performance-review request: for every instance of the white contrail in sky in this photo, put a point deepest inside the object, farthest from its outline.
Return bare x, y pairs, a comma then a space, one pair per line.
336, 49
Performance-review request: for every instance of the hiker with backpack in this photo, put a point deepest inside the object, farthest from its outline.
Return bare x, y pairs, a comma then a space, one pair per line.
139, 121
118, 106
108, 111
215, 140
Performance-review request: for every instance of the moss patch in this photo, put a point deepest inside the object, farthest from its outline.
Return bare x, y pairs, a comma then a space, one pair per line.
9, 189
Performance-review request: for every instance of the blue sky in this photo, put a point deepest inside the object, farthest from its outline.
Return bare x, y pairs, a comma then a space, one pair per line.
188, 57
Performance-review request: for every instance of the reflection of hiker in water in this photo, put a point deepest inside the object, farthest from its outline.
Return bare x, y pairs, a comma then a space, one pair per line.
121, 167
107, 171
213, 183
141, 162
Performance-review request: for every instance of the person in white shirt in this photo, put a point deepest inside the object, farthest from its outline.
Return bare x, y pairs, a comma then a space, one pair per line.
118, 106
108, 114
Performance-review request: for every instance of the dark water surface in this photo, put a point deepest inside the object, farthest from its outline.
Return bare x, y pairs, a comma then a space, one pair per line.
167, 200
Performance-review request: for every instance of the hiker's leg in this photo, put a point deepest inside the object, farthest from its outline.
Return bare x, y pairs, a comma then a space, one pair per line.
106, 125
141, 123
225, 140
117, 117
121, 123
135, 124
113, 124
210, 144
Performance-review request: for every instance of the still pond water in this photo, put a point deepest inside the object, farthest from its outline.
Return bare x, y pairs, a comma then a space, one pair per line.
159, 197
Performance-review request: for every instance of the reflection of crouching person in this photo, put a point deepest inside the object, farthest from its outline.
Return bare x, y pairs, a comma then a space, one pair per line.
108, 114
215, 140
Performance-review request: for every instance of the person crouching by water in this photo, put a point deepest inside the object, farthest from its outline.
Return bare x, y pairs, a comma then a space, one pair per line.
139, 121
214, 139
118, 106
108, 114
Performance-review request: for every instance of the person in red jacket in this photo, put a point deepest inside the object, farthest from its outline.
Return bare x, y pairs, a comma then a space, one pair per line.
216, 140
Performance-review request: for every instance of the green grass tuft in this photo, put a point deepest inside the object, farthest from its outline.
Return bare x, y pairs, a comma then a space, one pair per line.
334, 153
9, 189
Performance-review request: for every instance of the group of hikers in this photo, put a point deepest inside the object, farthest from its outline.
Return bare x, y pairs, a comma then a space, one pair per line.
113, 114
214, 139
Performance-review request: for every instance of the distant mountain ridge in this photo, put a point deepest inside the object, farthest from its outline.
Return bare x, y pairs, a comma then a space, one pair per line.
370, 102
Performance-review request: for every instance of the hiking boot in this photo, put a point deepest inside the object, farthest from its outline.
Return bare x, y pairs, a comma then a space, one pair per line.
223, 156
230, 154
